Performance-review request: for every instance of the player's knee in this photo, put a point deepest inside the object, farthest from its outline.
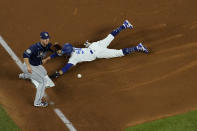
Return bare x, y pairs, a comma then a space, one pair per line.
41, 82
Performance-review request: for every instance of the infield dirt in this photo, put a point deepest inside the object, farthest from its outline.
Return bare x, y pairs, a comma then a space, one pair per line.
113, 93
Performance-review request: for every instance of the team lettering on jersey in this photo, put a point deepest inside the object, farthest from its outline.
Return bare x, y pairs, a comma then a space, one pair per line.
41, 54
79, 51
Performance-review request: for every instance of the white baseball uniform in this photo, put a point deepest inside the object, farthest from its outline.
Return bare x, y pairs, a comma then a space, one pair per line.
95, 50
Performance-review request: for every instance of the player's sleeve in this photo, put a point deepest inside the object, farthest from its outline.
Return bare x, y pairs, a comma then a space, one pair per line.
67, 67
53, 55
28, 52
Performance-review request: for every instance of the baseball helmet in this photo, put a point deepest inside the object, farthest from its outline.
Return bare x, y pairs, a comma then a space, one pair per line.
44, 35
67, 49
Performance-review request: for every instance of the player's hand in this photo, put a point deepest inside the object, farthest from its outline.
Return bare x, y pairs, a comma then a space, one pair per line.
59, 52
29, 69
44, 61
87, 44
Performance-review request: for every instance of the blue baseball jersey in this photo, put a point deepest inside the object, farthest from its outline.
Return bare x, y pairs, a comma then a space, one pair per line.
36, 52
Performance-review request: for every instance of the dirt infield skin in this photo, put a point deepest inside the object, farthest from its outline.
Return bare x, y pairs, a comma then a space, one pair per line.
113, 93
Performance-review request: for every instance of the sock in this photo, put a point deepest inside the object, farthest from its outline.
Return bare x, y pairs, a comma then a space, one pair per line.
129, 50
118, 30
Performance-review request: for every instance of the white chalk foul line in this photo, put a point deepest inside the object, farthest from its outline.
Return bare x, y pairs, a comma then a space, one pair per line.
20, 65
11, 53
65, 120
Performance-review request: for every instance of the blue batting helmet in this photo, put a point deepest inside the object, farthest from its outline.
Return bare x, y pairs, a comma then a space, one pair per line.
67, 49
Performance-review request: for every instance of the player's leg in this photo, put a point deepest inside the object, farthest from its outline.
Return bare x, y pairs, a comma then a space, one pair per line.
139, 47
125, 25
111, 53
22, 76
108, 53
40, 78
105, 42
42, 70
25, 74
40, 93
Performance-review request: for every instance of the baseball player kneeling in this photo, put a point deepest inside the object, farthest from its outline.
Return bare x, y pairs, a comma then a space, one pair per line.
33, 69
94, 50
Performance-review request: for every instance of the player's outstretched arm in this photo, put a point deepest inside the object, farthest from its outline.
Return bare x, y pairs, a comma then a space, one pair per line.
57, 53
62, 71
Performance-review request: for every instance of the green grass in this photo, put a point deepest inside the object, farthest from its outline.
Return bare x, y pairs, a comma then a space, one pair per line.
6, 124
183, 122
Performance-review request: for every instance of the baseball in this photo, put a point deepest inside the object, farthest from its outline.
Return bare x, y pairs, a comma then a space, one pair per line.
79, 75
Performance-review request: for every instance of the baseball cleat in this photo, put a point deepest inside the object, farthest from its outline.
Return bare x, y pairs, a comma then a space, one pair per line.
127, 24
42, 104
140, 47
21, 76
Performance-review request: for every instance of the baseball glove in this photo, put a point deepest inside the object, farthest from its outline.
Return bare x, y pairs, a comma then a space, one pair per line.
57, 47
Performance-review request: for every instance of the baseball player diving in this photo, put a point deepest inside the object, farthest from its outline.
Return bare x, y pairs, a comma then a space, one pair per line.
94, 50
33, 69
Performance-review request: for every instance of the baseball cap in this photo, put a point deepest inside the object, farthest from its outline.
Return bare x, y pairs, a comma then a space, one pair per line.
44, 35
